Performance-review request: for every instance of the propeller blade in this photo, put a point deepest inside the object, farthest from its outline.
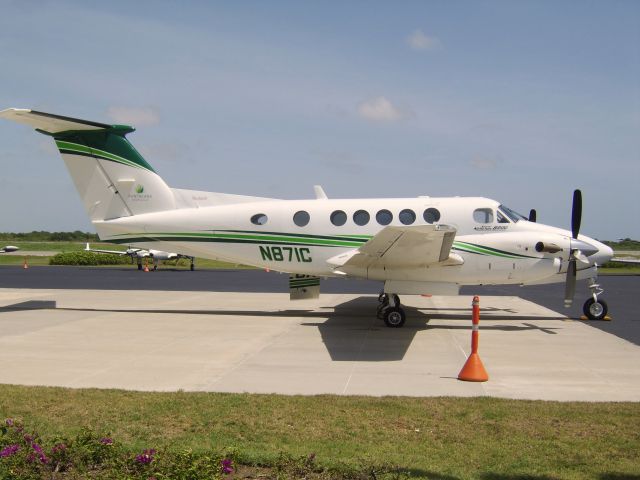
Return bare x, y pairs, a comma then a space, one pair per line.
533, 215
576, 213
570, 285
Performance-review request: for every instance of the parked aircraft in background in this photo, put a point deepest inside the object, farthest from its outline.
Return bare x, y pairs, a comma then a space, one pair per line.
139, 254
9, 248
419, 245
625, 260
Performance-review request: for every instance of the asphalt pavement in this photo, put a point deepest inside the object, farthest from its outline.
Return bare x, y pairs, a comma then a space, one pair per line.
619, 291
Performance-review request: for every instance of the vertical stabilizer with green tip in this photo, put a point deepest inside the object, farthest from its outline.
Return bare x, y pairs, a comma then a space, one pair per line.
112, 178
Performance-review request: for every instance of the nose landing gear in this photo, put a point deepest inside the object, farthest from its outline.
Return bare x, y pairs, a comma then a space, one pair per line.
594, 308
390, 311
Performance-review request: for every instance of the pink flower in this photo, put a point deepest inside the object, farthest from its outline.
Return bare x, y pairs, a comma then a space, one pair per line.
9, 450
226, 466
146, 457
60, 447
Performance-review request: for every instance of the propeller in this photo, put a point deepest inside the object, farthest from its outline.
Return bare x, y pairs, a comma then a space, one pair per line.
574, 252
533, 215
576, 213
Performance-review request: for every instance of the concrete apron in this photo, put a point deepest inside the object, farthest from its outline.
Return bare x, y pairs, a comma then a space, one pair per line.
263, 343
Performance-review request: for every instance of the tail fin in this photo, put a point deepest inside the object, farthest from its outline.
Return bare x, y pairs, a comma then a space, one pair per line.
110, 175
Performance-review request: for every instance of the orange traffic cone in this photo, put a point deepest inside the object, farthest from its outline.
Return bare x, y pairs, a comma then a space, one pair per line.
25, 265
473, 369
146, 267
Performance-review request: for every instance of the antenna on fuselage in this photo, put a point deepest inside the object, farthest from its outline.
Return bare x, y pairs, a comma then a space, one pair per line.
320, 195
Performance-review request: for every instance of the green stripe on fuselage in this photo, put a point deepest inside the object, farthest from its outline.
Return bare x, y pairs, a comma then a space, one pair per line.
483, 250
269, 238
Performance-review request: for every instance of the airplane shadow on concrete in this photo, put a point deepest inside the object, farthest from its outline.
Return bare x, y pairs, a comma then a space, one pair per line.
350, 331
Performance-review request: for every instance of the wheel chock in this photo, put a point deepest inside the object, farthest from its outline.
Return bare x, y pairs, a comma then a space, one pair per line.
606, 318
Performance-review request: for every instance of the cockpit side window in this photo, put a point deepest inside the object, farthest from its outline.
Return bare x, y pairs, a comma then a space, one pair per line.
501, 217
513, 215
483, 215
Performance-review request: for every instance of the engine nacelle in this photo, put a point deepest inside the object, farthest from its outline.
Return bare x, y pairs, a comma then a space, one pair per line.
547, 247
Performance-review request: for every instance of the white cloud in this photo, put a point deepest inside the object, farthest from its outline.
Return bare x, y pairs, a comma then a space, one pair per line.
485, 163
135, 116
380, 109
419, 41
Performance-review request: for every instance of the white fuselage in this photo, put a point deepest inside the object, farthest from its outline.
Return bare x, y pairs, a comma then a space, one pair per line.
495, 249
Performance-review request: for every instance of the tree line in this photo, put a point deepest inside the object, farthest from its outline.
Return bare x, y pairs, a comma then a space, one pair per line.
44, 236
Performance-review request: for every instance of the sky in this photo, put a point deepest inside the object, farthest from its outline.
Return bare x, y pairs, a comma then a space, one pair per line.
521, 101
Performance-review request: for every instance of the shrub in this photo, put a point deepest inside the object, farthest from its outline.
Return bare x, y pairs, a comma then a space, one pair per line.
88, 258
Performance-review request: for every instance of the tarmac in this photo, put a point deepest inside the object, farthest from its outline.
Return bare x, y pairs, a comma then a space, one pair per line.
263, 343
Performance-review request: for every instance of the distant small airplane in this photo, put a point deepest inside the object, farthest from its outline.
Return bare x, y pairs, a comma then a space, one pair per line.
139, 254
9, 248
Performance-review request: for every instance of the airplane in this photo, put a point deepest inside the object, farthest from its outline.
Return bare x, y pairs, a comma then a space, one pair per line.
139, 254
420, 245
9, 248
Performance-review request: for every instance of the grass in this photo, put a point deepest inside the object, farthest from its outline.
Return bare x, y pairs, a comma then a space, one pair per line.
445, 438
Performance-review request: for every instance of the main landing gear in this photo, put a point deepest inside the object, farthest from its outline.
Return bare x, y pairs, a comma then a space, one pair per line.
390, 310
594, 308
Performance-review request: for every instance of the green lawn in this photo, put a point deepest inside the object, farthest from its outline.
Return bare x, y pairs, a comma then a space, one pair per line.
444, 438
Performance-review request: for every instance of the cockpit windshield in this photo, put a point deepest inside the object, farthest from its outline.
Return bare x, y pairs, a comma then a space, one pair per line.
514, 216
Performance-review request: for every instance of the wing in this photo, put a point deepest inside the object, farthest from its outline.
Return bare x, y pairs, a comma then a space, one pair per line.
625, 260
113, 252
401, 247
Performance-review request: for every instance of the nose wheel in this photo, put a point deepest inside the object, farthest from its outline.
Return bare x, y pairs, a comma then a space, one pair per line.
390, 310
595, 308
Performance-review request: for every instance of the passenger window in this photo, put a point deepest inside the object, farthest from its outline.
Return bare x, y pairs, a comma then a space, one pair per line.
384, 217
259, 219
407, 217
483, 215
361, 217
431, 215
301, 218
338, 218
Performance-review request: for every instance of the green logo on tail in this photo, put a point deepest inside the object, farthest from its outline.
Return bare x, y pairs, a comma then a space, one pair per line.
139, 189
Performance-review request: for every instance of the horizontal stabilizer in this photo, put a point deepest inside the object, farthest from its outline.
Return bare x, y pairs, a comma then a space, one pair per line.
48, 122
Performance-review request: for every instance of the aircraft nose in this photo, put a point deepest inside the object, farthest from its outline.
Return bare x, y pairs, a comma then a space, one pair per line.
603, 255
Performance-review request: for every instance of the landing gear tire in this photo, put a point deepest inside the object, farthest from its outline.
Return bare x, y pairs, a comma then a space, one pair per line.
595, 309
394, 317
139, 266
